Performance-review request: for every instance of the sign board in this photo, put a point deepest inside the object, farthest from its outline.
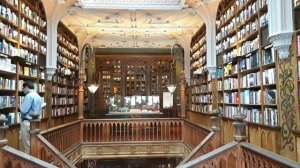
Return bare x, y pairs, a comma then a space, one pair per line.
167, 100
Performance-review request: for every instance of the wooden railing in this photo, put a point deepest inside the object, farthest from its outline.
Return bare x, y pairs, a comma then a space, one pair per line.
48, 153
113, 130
193, 134
54, 143
240, 155
11, 157
257, 157
63, 137
204, 147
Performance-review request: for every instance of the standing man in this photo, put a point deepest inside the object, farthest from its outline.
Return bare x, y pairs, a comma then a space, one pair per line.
32, 103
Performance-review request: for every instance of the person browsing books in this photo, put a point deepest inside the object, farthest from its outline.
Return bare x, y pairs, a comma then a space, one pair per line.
32, 103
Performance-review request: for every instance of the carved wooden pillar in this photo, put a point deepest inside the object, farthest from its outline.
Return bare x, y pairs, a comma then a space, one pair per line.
240, 127
183, 96
281, 31
34, 131
48, 99
216, 127
80, 95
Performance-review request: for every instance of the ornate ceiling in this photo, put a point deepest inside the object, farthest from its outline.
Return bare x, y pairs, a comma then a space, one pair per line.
132, 23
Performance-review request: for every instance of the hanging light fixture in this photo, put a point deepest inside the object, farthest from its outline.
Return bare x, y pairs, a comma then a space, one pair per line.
171, 88
93, 88
87, 53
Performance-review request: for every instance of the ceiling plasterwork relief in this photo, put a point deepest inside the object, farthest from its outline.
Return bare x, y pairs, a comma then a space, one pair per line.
133, 4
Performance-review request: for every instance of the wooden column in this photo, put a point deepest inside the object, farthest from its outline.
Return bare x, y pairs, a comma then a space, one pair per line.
48, 99
183, 96
34, 131
80, 96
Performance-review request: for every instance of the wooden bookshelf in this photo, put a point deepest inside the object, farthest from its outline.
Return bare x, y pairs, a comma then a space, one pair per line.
132, 76
23, 50
246, 70
65, 81
201, 83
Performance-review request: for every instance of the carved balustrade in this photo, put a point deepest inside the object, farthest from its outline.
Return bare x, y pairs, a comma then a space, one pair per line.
63, 137
14, 158
132, 130
240, 155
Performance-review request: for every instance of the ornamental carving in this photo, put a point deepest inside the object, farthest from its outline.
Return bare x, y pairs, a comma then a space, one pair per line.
282, 43
132, 4
287, 104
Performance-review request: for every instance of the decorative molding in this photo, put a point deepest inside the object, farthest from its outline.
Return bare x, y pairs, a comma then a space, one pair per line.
50, 72
287, 103
98, 151
282, 42
134, 4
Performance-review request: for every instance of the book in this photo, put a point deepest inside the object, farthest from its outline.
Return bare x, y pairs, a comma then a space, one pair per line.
270, 96
26, 71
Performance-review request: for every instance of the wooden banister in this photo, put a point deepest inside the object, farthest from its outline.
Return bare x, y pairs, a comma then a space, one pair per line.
14, 158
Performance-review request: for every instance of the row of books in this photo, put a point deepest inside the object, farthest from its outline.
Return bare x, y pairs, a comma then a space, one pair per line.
30, 28
28, 71
60, 111
7, 65
28, 56
8, 48
250, 80
7, 84
202, 99
230, 83
226, 30
232, 98
252, 61
66, 42
269, 116
29, 41
248, 47
269, 76
250, 97
247, 29
253, 115
8, 31
248, 12
66, 53
203, 108
32, 15
7, 101
8, 14
63, 100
